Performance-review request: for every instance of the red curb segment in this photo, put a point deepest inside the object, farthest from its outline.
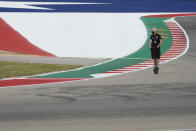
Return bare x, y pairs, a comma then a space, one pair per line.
177, 34
171, 15
179, 44
175, 41
113, 72
122, 70
138, 66
178, 47
145, 64
180, 36
30, 81
13, 41
132, 67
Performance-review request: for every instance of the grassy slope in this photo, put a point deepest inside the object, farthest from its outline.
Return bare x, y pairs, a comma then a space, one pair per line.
15, 69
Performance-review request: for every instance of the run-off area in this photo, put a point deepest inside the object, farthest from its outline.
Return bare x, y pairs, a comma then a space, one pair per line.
91, 35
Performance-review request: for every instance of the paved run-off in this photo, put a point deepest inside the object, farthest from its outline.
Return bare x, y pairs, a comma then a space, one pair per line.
139, 56
138, 101
175, 44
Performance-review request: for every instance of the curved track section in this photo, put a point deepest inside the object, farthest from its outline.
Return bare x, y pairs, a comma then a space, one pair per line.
179, 46
175, 44
137, 101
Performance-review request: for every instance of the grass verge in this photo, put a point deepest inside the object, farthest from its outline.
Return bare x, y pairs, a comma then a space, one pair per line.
16, 69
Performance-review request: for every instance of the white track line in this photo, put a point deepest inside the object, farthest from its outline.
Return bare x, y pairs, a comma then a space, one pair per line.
179, 39
171, 56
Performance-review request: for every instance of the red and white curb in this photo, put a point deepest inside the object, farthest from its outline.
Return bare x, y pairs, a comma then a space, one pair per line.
180, 45
180, 41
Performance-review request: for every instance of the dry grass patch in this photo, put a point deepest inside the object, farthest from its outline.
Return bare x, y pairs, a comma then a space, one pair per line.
16, 69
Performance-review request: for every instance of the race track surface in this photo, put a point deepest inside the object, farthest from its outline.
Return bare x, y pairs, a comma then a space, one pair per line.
52, 60
137, 101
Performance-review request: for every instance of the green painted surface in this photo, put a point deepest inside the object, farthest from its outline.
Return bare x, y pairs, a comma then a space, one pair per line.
150, 23
86, 72
129, 60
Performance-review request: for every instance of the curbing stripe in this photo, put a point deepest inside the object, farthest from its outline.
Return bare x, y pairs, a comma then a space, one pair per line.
180, 44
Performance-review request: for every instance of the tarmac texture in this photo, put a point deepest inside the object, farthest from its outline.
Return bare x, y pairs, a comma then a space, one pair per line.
137, 101
51, 60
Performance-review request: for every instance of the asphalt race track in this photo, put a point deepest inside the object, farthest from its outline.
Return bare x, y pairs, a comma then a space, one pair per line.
137, 101
52, 60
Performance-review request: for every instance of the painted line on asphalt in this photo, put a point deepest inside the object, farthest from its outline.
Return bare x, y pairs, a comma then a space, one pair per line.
171, 54
176, 44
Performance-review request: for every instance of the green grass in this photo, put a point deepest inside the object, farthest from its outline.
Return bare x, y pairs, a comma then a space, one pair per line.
16, 69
